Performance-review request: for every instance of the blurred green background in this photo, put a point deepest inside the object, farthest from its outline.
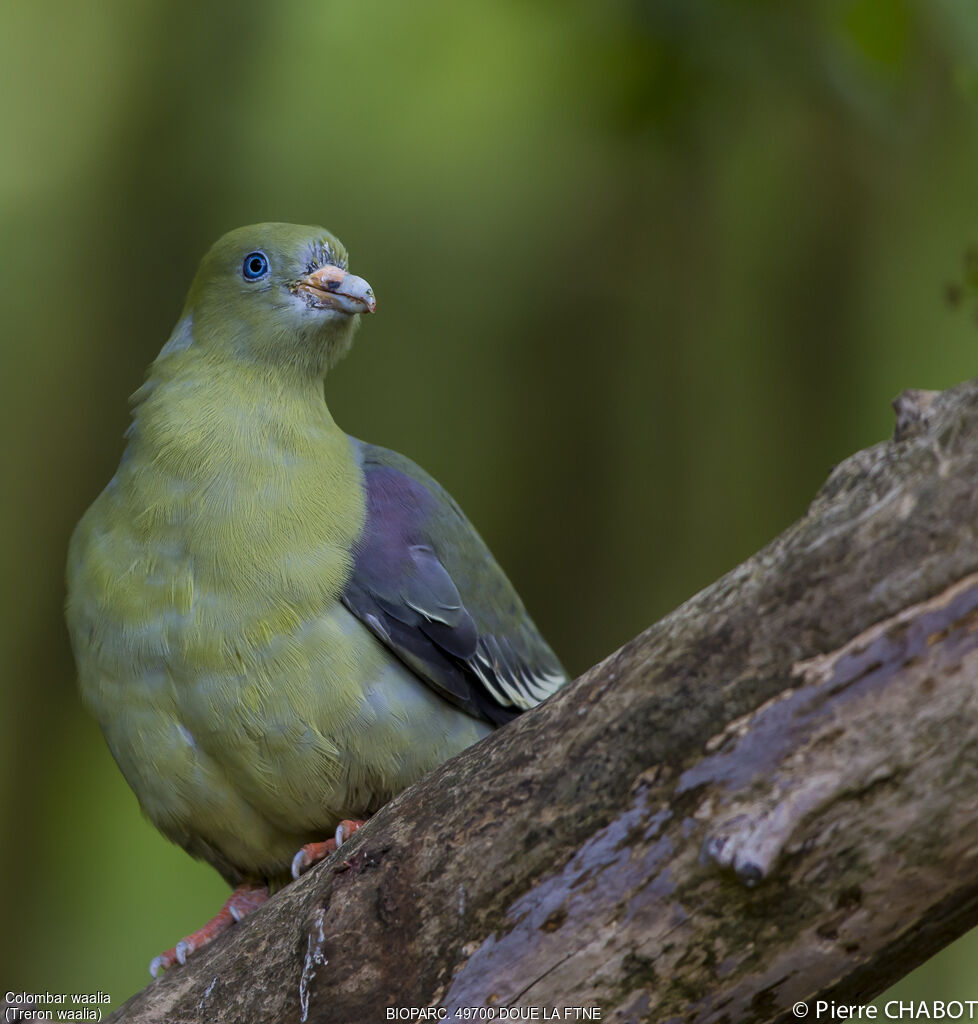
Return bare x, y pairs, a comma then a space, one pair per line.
646, 270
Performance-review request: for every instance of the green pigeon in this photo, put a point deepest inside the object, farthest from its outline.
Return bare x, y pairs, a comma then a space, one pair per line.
277, 626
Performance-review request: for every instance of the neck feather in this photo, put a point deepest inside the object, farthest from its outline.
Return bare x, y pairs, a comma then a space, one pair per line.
243, 468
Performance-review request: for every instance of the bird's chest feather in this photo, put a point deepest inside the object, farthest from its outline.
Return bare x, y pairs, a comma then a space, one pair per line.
218, 536
204, 610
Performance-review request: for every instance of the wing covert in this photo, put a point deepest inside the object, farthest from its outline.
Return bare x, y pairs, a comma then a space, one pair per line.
426, 585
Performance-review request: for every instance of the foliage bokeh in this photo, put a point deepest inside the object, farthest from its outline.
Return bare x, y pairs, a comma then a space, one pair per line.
646, 269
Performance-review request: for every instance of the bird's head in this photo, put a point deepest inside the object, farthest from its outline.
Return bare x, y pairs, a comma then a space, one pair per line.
278, 293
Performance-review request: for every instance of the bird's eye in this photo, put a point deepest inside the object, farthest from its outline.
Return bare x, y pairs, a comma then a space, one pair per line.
255, 266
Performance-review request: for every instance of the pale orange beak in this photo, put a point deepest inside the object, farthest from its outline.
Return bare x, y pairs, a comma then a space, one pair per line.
333, 288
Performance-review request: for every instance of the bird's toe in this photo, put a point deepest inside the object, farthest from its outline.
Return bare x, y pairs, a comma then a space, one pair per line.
239, 904
313, 853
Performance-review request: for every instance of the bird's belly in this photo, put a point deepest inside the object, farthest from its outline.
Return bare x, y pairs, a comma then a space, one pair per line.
243, 763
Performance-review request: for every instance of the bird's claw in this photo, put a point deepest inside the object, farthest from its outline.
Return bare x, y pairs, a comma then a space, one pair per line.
163, 962
300, 862
177, 955
240, 903
313, 853
346, 829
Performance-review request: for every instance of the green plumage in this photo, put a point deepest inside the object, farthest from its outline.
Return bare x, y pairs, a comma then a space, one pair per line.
248, 706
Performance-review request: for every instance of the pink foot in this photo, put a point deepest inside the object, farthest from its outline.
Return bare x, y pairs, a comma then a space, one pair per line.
313, 853
241, 902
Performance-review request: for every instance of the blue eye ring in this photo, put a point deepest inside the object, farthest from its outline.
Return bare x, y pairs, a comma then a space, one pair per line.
255, 266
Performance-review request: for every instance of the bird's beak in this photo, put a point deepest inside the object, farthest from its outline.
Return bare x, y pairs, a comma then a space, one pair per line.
333, 288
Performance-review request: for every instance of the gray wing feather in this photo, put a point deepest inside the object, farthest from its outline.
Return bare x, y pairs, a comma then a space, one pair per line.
427, 586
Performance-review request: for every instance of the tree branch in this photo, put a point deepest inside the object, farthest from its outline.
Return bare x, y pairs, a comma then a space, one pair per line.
768, 796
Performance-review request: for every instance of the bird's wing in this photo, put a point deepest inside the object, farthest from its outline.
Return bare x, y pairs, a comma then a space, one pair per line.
425, 583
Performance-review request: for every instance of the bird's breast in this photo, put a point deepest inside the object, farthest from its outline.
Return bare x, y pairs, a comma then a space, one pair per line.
203, 607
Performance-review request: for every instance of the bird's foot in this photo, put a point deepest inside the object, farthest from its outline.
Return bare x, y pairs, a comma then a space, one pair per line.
241, 902
313, 853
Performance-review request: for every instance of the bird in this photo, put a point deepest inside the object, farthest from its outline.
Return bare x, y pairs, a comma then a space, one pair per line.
277, 626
